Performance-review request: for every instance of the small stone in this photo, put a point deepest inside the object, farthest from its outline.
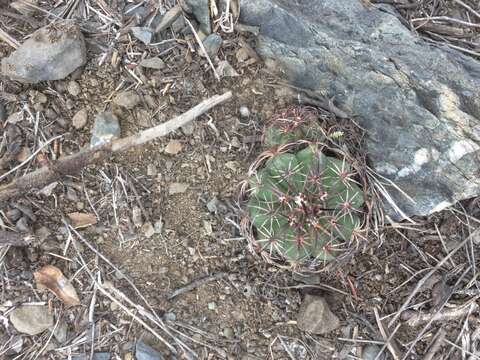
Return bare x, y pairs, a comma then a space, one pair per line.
14, 214
153, 63
148, 230
127, 99
228, 333
170, 316
212, 44
137, 216
15, 118
315, 316
73, 88
371, 351
151, 170
177, 188
79, 120
158, 226
31, 319
105, 128
212, 205
188, 129
145, 352
173, 147
212, 305
168, 18
244, 112
50, 53
225, 69
144, 34
3, 113
22, 225
60, 332
71, 194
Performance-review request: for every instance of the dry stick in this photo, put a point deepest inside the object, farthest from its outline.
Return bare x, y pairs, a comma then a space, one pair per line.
430, 273
14, 239
8, 39
74, 163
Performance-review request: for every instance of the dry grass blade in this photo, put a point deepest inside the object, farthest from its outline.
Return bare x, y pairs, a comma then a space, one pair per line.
9, 39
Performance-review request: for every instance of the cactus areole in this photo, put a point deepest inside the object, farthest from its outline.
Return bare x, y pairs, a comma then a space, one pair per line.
303, 206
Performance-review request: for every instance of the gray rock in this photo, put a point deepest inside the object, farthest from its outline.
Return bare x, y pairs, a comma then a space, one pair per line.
79, 120
127, 99
105, 128
224, 68
144, 34
51, 53
371, 351
212, 44
153, 63
31, 319
201, 12
315, 316
419, 104
145, 352
212, 205
168, 18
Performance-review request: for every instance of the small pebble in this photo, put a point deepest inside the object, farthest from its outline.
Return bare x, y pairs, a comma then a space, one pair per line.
228, 333
148, 230
137, 216
22, 225
244, 112
212, 305
73, 88
170, 316
158, 226
79, 120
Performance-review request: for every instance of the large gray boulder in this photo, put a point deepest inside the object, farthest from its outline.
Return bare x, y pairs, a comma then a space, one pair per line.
420, 104
51, 53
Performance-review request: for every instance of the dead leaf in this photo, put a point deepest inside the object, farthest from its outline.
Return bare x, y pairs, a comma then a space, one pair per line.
173, 147
80, 220
50, 277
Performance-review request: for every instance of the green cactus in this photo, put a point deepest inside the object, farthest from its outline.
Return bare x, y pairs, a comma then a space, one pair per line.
293, 124
304, 205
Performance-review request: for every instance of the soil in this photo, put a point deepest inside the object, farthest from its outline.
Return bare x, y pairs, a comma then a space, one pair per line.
249, 310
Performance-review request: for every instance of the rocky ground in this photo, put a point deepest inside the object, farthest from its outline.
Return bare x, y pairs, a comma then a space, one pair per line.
142, 253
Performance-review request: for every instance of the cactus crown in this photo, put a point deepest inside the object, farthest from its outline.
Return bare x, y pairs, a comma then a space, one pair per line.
303, 205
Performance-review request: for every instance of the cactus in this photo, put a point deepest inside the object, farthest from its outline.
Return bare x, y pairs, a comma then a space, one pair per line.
304, 205
293, 124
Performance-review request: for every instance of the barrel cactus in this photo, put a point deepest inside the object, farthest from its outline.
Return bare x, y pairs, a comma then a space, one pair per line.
303, 204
